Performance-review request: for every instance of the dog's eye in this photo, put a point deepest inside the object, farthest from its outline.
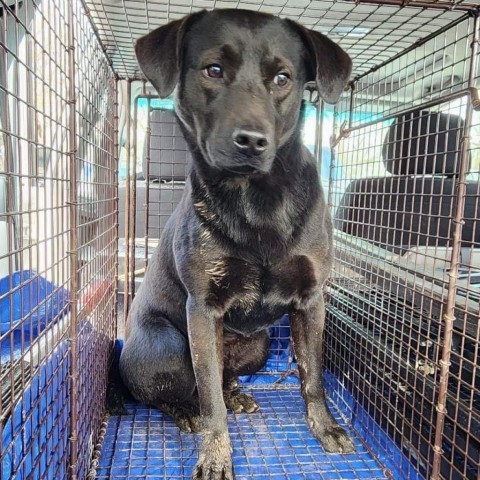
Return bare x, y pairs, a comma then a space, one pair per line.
214, 71
282, 79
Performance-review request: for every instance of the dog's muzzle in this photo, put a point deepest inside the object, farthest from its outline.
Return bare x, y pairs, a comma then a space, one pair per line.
247, 151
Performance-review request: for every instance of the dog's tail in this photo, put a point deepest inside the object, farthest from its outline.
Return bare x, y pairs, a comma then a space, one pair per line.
117, 392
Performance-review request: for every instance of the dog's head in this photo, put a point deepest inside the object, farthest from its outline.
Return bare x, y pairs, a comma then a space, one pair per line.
240, 77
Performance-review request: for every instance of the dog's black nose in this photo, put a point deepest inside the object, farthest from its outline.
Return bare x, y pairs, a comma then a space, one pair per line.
251, 142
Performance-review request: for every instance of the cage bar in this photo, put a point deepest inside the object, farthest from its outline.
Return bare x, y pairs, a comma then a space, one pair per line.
128, 216
74, 267
454, 262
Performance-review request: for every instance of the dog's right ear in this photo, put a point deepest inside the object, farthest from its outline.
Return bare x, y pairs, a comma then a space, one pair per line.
159, 53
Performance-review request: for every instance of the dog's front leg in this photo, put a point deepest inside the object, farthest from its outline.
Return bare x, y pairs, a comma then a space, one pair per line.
205, 333
307, 333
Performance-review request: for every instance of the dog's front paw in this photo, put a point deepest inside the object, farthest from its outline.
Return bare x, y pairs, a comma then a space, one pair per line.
215, 460
332, 436
334, 439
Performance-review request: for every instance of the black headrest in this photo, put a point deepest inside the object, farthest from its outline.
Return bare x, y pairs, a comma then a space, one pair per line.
168, 153
424, 143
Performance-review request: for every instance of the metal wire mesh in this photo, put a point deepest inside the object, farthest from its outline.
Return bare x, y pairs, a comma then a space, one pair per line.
275, 443
370, 33
164, 160
403, 300
404, 187
57, 237
396, 219
97, 230
35, 231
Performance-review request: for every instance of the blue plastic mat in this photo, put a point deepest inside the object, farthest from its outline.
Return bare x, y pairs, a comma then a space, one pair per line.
28, 303
274, 443
33, 437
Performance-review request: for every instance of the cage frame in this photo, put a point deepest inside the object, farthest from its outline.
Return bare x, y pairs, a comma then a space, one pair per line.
471, 10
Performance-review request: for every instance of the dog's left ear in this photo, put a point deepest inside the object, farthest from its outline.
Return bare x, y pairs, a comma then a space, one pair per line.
159, 53
331, 66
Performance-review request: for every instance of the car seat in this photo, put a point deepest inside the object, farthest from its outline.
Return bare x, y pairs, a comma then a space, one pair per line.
415, 205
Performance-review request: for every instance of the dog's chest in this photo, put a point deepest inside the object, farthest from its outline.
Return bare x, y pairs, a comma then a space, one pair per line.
253, 296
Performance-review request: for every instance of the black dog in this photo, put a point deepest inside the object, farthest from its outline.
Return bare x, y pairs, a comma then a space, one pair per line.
251, 238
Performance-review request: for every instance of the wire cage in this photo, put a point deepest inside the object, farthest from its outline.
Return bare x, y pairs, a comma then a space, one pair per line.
404, 294
92, 164
58, 227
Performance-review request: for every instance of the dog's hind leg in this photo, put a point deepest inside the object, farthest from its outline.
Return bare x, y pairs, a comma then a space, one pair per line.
236, 400
156, 367
243, 356
186, 416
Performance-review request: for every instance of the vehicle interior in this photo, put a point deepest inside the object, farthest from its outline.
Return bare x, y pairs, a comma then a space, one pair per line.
93, 163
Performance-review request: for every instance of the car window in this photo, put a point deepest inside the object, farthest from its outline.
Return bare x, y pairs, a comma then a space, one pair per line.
459, 107
144, 107
475, 148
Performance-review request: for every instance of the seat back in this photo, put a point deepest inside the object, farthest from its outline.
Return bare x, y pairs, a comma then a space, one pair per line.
415, 205
424, 143
167, 152
164, 168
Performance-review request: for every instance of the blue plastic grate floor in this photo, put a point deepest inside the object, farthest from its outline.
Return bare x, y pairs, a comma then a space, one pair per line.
274, 443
